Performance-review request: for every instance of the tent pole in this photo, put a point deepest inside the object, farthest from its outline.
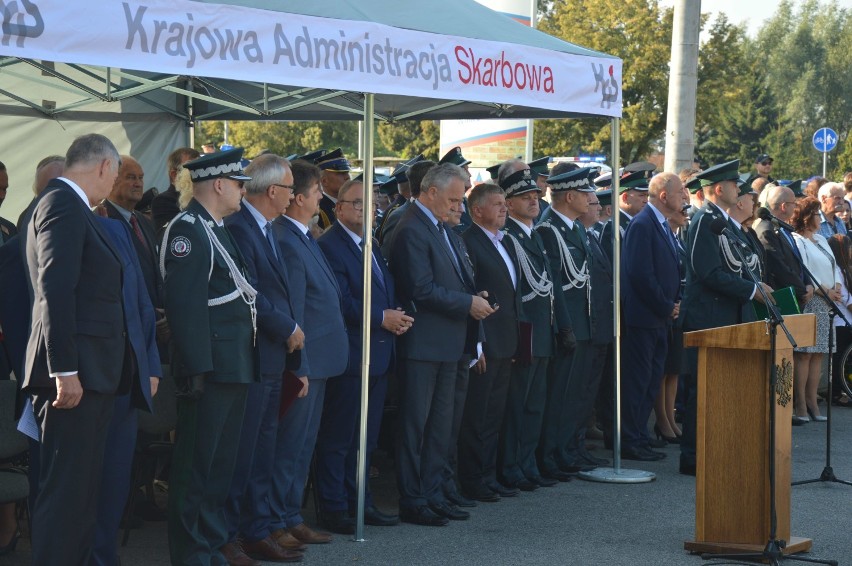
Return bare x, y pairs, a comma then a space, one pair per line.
616, 474
361, 482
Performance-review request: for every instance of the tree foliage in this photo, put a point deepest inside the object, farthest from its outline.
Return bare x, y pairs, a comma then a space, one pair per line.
408, 138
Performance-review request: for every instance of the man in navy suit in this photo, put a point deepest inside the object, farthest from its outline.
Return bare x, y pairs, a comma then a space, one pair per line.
121, 437
75, 360
337, 443
651, 294
315, 296
268, 194
432, 284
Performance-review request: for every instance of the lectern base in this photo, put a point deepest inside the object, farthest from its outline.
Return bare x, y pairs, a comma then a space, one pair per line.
794, 545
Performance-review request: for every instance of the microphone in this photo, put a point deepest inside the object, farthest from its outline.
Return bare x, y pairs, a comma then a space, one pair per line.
764, 214
718, 226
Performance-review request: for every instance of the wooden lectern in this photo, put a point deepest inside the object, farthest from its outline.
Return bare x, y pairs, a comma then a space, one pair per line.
732, 495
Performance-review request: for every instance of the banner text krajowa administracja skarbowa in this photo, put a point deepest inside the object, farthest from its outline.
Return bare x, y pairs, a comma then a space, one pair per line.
234, 42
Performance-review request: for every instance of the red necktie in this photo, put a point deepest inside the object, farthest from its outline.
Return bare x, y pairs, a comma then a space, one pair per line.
138, 231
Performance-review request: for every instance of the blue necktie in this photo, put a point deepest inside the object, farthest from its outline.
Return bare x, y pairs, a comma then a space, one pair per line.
443, 233
271, 239
377, 271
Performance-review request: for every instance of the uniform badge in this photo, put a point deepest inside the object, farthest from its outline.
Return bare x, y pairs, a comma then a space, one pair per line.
181, 247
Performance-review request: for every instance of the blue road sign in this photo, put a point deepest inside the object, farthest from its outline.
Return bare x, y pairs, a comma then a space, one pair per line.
825, 139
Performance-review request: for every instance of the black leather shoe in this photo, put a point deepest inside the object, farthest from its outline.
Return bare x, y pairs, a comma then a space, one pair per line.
482, 493
659, 455
687, 468
543, 482
657, 443
525, 485
557, 475
577, 466
449, 511
633, 453
376, 518
337, 522
504, 491
421, 516
457, 498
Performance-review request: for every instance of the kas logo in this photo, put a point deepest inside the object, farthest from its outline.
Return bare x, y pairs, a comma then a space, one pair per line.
15, 21
608, 85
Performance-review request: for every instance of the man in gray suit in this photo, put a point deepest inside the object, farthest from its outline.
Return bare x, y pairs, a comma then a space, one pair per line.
434, 288
316, 300
75, 359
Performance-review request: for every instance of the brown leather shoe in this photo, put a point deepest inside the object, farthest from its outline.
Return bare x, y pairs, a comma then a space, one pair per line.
236, 557
268, 550
286, 540
309, 536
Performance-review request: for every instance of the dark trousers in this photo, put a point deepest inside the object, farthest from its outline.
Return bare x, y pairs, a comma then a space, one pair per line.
605, 403
642, 372
554, 427
524, 416
459, 398
206, 444
294, 449
71, 464
579, 401
338, 439
427, 391
690, 414
257, 442
485, 406
115, 481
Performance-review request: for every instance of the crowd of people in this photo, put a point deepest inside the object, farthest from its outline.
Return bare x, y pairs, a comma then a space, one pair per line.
491, 315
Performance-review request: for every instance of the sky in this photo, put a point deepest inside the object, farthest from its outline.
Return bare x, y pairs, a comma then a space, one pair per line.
751, 12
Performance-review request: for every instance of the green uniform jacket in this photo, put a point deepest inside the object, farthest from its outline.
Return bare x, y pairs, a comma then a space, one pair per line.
576, 299
213, 340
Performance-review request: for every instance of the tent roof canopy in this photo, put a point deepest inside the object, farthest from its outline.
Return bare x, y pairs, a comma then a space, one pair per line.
471, 38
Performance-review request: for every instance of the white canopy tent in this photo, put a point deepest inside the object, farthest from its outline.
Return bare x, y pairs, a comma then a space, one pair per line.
142, 71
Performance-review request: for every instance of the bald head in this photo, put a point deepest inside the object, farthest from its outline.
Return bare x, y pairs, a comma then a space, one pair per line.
665, 192
781, 201
664, 182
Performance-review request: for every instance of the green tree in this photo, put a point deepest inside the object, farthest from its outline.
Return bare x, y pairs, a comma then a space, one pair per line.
408, 138
283, 138
637, 31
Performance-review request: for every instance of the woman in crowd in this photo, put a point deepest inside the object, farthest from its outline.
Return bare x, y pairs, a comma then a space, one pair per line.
841, 246
818, 258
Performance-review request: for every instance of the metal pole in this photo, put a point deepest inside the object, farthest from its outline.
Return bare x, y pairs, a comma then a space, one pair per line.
683, 82
528, 146
824, 162
361, 481
616, 474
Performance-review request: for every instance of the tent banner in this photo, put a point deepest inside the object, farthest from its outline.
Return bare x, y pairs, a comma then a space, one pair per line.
182, 37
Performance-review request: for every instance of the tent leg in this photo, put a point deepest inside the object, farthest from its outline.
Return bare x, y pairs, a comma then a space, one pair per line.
361, 481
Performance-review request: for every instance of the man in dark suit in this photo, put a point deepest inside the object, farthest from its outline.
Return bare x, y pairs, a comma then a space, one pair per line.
783, 260
316, 298
651, 294
338, 440
268, 194
540, 316
210, 306
571, 387
335, 171
121, 437
165, 206
75, 360
431, 284
496, 271
415, 176
120, 205
716, 293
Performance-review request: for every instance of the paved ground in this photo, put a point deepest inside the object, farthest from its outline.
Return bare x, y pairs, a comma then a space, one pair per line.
578, 523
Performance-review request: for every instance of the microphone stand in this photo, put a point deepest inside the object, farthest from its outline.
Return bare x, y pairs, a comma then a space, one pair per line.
827, 474
773, 552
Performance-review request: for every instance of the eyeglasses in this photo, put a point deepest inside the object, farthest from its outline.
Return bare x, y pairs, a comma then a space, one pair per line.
765, 163
288, 187
356, 204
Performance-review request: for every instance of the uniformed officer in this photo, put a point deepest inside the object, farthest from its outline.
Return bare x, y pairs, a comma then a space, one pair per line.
210, 307
632, 198
335, 171
540, 171
571, 386
455, 157
718, 289
539, 318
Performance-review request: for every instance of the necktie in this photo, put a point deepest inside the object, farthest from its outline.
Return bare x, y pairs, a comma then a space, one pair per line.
377, 271
271, 239
443, 232
134, 223
670, 234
